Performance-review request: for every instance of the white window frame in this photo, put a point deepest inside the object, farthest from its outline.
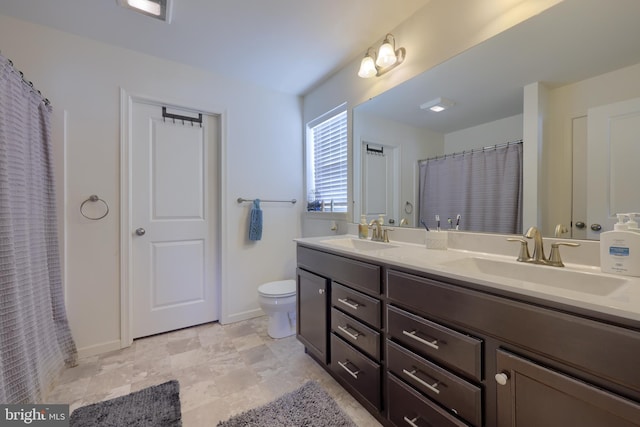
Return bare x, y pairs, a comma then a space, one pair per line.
338, 208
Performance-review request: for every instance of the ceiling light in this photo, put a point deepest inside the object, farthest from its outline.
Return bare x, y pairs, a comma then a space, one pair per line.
438, 104
387, 58
159, 9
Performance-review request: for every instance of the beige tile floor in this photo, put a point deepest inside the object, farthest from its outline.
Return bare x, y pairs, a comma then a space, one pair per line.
222, 370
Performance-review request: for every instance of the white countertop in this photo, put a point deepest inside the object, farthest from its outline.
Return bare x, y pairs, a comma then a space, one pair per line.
624, 302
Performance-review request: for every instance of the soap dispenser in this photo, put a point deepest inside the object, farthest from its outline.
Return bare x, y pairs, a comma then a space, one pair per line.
632, 224
620, 249
363, 228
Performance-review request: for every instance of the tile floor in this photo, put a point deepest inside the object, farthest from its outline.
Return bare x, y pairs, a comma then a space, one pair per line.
222, 370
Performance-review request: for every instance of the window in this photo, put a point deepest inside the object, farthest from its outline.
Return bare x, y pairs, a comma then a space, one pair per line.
327, 162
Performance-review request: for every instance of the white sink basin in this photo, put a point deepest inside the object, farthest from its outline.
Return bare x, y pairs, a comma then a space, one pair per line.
556, 277
359, 244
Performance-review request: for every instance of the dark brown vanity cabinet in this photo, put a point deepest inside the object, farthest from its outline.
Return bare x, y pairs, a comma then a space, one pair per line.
311, 313
538, 366
442, 366
531, 395
354, 313
430, 351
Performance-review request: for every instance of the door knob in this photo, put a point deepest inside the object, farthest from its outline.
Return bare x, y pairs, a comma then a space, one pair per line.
596, 227
502, 378
140, 231
580, 225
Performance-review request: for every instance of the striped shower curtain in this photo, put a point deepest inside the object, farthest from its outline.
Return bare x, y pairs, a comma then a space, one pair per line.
35, 339
483, 186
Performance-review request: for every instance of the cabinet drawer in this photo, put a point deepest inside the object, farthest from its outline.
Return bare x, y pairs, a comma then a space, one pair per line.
354, 273
442, 386
458, 351
357, 304
356, 333
407, 408
596, 348
356, 369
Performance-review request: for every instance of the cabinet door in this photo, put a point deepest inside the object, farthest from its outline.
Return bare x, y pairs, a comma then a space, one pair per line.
312, 316
529, 394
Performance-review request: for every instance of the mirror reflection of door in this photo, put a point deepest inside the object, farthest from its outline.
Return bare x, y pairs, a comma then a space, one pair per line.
380, 182
613, 150
579, 192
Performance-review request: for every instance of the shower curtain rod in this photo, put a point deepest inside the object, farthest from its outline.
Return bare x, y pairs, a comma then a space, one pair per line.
473, 150
25, 81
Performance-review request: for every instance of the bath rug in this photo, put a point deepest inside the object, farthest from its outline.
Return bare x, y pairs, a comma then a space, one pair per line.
308, 406
156, 406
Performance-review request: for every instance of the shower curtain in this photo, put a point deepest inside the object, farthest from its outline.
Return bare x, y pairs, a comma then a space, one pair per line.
483, 186
35, 339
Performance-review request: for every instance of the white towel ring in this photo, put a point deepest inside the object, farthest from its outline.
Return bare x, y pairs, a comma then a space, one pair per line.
94, 198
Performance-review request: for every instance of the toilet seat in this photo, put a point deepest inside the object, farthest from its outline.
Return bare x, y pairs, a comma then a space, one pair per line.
278, 289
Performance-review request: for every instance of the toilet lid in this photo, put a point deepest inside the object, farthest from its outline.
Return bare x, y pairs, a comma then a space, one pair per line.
278, 288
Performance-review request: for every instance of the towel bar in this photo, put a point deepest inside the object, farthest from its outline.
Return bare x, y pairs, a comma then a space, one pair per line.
292, 201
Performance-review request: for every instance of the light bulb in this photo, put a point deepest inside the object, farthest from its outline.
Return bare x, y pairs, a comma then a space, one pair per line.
386, 55
367, 68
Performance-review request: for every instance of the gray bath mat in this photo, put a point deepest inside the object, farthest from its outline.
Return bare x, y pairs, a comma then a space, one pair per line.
308, 406
156, 406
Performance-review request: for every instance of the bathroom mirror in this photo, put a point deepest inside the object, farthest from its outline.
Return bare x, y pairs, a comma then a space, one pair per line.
574, 41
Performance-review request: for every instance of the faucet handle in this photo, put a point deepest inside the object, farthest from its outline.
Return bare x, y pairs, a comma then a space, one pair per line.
554, 256
523, 256
385, 234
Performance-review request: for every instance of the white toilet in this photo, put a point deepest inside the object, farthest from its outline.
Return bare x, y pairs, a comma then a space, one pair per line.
278, 301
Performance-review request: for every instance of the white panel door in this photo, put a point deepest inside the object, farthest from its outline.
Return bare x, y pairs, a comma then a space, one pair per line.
579, 200
613, 142
380, 182
173, 222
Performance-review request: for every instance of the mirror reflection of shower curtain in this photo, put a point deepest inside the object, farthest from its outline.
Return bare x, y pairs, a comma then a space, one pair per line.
484, 186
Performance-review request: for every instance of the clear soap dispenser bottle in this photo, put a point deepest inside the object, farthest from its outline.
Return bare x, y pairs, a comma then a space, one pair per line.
363, 228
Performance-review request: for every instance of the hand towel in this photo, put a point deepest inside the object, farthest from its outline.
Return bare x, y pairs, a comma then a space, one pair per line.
255, 221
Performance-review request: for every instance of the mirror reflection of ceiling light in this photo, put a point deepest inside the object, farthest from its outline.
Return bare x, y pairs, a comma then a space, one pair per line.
437, 105
388, 57
159, 9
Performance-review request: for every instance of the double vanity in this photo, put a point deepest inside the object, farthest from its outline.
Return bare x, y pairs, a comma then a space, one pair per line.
459, 337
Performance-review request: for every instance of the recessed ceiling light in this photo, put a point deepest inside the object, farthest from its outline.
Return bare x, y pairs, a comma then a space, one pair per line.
159, 9
437, 105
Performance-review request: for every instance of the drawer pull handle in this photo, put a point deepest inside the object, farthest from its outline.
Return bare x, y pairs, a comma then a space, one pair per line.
411, 422
412, 334
349, 371
349, 304
412, 374
353, 335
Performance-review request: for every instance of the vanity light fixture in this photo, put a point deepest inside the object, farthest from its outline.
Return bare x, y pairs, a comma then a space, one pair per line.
437, 105
159, 9
387, 58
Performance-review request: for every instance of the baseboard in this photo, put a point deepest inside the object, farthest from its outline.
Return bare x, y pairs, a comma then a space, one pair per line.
245, 315
96, 349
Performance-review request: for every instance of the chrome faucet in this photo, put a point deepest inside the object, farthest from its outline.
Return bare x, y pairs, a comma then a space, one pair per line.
376, 235
538, 248
379, 234
538, 256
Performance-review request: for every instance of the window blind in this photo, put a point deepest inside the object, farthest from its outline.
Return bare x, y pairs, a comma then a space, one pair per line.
329, 139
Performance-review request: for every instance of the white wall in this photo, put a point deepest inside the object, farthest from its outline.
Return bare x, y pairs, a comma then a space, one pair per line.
565, 104
484, 135
262, 157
